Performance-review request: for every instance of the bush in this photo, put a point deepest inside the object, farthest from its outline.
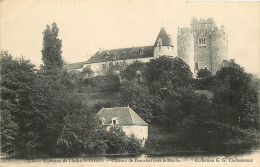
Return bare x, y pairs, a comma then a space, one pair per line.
107, 83
115, 141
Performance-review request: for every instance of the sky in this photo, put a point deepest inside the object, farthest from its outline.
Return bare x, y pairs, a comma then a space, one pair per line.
85, 26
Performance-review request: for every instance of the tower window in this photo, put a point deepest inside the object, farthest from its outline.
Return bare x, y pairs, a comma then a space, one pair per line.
202, 42
196, 65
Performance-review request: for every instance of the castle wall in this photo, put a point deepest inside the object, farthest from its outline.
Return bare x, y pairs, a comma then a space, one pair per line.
163, 51
219, 47
96, 67
185, 47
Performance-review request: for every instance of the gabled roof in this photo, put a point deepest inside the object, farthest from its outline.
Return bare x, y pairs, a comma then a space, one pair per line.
165, 38
126, 116
121, 54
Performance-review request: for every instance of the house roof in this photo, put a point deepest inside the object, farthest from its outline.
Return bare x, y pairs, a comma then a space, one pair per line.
126, 116
165, 38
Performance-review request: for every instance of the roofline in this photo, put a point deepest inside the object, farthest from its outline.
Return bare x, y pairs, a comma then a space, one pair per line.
126, 125
116, 107
127, 48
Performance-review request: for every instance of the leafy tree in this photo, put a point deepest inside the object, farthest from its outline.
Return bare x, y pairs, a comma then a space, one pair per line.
115, 141
236, 106
204, 73
9, 130
17, 82
133, 71
51, 51
165, 72
75, 138
169, 80
87, 72
237, 92
139, 98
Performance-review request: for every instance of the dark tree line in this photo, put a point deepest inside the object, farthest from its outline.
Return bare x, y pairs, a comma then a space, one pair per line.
166, 97
42, 113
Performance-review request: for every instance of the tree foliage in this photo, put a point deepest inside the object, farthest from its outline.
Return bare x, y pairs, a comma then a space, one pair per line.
51, 51
133, 71
231, 122
204, 73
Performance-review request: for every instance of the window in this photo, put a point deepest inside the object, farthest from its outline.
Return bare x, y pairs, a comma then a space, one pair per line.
202, 42
141, 52
102, 121
114, 122
196, 65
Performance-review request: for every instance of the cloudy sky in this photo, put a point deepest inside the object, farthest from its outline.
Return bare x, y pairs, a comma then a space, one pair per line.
86, 26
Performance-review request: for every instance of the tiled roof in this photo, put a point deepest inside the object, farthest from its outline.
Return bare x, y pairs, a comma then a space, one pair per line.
121, 54
126, 116
164, 37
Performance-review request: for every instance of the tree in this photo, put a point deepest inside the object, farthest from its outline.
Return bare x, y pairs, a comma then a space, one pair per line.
165, 72
51, 51
204, 73
75, 137
236, 109
169, 80
134, 71
237, 92
86, 72
18, 76
139, 98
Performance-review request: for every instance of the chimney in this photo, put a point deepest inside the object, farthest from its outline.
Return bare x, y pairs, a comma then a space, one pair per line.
232, 60
100, 50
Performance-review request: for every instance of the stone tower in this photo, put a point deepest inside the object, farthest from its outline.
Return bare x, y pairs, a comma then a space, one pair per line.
209, 45
163, 45
185, 49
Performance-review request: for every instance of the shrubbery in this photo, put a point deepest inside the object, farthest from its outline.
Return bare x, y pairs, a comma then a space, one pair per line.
107, 83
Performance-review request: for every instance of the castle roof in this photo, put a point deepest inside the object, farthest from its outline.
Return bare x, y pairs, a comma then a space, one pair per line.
125, 115
121, 54
165, 38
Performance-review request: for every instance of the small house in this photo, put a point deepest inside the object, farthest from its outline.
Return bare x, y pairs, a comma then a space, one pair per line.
125, 118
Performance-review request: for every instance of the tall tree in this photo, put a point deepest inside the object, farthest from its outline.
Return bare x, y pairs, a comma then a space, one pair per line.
170, 80
18, 76
51, 51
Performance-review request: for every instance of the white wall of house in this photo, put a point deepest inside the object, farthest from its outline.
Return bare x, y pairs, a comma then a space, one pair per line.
140, 132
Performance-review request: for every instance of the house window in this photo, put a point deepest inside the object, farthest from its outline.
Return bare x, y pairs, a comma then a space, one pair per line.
102, 121
114, 121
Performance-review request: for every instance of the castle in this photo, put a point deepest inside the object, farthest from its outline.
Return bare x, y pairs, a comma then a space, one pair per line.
201, 46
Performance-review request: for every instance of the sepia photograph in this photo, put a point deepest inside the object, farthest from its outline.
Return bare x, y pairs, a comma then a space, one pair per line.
129, 83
